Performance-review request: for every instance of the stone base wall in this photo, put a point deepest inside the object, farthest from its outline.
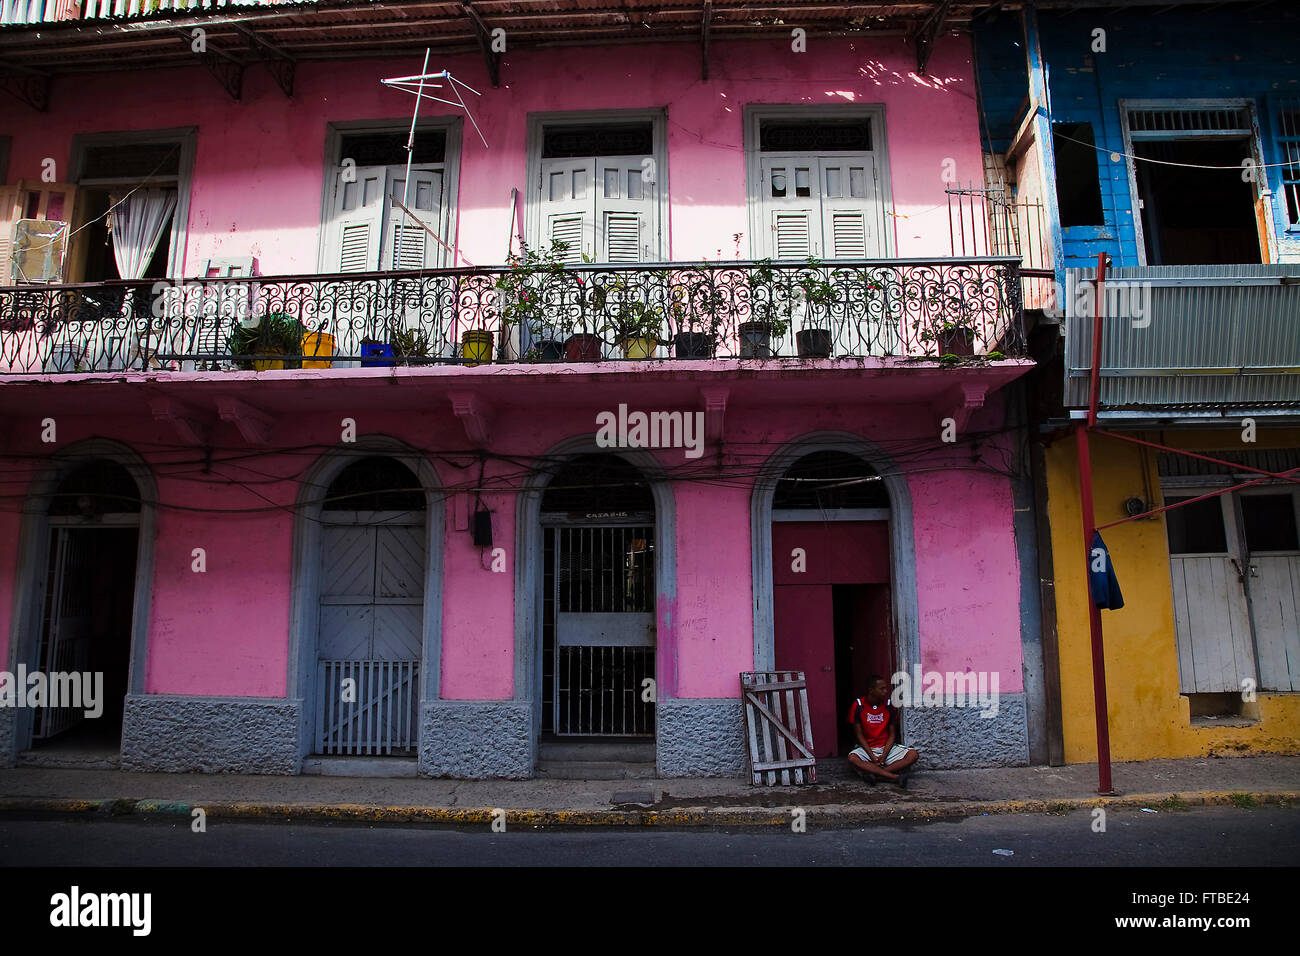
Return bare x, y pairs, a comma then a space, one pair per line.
477, 740
210, 734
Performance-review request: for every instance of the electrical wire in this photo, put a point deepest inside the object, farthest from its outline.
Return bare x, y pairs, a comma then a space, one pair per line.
147, 180
908, 457
1166, 162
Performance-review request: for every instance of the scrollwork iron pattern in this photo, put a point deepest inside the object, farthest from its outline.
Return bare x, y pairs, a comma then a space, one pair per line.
880, 308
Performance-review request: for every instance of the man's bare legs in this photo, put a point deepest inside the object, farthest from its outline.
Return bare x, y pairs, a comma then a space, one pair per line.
867, 766
888, 772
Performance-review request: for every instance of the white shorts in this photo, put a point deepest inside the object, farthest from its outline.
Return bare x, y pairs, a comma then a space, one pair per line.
897, 752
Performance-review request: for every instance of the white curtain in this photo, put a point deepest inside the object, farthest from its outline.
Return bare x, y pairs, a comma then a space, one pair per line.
137, 225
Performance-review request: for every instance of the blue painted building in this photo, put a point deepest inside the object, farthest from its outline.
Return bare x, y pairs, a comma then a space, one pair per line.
1133, 88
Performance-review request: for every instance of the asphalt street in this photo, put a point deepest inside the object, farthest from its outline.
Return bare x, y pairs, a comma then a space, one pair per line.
1216, 836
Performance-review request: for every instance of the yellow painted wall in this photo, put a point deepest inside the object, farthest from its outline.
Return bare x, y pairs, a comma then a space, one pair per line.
1148, 717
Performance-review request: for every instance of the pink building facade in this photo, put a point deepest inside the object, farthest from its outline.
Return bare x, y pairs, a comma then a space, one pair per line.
433, 554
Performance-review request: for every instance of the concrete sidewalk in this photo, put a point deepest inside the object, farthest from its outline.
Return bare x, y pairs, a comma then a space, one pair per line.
838, 797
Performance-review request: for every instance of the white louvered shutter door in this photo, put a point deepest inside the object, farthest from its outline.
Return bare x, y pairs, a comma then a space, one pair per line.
417, 249
792, 207
849, 207
357, 220
568, 206
9, 214
625, 211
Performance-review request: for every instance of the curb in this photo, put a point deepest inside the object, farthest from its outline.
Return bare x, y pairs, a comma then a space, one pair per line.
685, 816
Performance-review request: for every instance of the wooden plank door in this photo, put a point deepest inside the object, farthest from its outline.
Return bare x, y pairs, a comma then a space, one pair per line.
1211, 609
778, 728
370, 633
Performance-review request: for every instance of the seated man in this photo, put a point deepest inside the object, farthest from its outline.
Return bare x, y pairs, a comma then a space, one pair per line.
877, 756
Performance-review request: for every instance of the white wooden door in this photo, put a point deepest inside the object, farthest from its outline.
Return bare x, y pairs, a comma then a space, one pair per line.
568, 210
625, 206
356, 226
850, 229
823, 205
792, 206
407, 244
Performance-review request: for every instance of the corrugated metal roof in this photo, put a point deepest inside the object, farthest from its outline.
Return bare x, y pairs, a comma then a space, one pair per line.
358, 28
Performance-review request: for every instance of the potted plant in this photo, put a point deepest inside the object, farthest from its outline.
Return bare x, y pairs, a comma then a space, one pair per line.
274, 334
770, 309
411, 344
523, 304
634, 323
955, 337
545, 350
695, 316
820, 294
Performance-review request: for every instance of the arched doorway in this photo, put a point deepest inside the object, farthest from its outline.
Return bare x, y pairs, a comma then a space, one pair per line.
83, 624
367, 611
597, 601
834, 578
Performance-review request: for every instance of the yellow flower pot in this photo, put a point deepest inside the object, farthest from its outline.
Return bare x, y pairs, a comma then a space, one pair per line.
265, 365
476, 347
639, 347
317, 344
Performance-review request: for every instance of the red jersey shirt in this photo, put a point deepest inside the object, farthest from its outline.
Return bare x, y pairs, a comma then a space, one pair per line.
874, 719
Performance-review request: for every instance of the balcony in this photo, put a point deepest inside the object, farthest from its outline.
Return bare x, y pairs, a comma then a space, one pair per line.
535, 312
1188, 342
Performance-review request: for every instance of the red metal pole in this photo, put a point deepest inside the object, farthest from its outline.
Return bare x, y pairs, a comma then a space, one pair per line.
1094, 379
1089, 529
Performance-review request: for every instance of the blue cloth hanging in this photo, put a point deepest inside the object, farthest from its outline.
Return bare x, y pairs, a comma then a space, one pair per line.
1101, 576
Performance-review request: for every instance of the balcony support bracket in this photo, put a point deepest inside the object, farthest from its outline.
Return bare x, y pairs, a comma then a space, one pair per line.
191, 425
484, 36
925, 35
253, 423
715, 411
281, 64
225, 69
29, 86
959, 403
475, 415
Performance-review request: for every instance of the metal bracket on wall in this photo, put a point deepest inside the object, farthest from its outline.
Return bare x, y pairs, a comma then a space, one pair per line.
226, 69
484, 35
927, 33
30, 86
704, 39
281, 64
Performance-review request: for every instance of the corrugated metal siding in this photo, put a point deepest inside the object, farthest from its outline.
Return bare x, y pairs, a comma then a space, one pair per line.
1235, 341
1276, 460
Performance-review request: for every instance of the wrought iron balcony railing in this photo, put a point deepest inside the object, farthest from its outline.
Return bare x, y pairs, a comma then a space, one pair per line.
897, 307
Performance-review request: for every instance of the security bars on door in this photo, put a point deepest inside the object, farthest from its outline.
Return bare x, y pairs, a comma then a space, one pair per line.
373, 714
604, 648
